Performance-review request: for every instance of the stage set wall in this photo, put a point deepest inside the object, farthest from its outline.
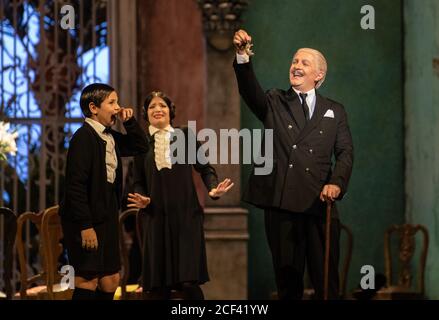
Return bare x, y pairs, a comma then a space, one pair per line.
421, 95
365, 74
385, 78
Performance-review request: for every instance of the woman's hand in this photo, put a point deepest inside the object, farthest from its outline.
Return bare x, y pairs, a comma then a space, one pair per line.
138, 201
221, 189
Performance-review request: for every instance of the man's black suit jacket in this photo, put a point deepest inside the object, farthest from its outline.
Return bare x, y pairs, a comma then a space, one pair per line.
302, 158
84, 199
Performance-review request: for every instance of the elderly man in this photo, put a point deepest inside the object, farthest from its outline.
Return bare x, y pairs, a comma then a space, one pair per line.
308, 130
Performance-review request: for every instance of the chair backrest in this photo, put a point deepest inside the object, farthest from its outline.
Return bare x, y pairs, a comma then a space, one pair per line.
9, 232
36, 219
407, 245
347, 258
51, 232
123, 248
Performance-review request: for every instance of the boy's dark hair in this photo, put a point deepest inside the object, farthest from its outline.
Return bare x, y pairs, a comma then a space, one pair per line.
96, 93
165, 98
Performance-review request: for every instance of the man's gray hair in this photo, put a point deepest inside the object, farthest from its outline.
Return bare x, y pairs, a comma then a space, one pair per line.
322, 66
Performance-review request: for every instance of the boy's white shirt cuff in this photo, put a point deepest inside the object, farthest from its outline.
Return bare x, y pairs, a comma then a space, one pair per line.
242, 58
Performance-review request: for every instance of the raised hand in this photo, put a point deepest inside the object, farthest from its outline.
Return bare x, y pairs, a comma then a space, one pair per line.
241, 39
125, 114
138, 201
221, 189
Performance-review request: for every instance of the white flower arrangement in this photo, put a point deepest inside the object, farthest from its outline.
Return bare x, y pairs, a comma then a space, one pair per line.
7, 141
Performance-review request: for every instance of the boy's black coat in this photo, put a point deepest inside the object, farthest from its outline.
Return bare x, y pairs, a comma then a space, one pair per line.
84, 199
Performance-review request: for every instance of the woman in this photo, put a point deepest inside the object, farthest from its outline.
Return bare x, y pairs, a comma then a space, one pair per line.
174, 254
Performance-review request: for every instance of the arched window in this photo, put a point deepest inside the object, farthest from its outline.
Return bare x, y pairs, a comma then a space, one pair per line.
43, 67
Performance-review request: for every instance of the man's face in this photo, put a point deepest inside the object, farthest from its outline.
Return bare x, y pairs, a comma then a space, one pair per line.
106, 113
304, 72
158, 113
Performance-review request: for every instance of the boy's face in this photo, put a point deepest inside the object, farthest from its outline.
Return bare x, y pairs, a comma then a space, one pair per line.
158, 113
106, 113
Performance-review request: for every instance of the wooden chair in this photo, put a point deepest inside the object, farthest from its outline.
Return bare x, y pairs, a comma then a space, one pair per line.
25, 292
50, 232
403, 289
131, 293
9, 230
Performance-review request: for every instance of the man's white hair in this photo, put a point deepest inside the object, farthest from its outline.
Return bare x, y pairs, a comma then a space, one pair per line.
322, 66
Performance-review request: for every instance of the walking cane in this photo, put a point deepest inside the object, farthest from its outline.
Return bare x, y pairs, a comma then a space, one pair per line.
327, 247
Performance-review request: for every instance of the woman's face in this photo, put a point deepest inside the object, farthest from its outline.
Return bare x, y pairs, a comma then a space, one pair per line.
158, 113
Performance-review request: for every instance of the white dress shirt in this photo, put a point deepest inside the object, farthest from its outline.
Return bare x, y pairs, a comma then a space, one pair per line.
110, 151
162, 141
310, 100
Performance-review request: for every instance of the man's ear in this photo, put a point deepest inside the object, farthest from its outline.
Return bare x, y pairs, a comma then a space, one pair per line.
93, 108
319, 76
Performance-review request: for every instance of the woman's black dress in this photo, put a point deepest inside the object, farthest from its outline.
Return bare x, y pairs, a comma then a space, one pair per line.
174, 247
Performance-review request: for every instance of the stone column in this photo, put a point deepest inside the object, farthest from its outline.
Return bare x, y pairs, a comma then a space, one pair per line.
225, 221
122, 41
226, 226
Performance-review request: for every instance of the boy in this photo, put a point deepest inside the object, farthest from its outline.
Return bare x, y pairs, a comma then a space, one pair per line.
89, 210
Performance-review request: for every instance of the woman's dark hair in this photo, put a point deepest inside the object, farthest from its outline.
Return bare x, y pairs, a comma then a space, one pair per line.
96, 93
165, 98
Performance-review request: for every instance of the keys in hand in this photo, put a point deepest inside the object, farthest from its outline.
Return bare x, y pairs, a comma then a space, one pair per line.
243, 42
248, 50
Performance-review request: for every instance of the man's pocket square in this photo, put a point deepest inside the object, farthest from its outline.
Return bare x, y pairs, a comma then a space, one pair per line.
329, 114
